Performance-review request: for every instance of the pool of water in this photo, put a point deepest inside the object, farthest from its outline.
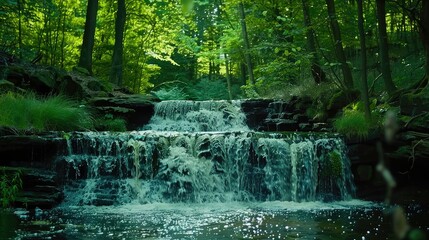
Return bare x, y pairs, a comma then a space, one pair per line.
270, 220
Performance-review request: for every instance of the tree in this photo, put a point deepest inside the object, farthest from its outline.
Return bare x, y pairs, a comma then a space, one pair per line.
384, 47
85, 60
116, 76
339, 51
316, 71
424, 31
246, 43
364, 72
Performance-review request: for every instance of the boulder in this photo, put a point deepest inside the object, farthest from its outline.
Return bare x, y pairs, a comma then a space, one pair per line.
42, 80
414, 104
136, 109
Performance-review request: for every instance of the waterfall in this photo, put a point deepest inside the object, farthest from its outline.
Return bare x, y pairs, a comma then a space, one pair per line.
180, 158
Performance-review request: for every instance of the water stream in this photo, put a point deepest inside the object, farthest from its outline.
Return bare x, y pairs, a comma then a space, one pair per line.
196, 171
202, 152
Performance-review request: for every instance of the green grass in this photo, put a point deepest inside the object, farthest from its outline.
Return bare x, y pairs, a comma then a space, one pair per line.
353, 124
27, 112
107, 123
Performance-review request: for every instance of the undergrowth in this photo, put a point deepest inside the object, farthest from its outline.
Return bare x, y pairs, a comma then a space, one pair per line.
10, 185
354, 124
30, 113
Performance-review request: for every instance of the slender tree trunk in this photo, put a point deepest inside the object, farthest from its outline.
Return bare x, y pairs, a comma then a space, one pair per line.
246, 43
384, 47
63, 38
339, 51
118, 49
364, 90
228, 76
19, 3
316, 71
424, 31
85, 60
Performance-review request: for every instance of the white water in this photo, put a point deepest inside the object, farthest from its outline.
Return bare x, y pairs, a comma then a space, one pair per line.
202, 152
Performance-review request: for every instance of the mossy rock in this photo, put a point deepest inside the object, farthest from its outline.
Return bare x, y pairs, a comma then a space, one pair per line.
341, 99
414, 104
6, 86
81, 70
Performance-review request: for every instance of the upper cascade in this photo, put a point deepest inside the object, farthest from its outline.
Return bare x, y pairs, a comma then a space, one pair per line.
198, 116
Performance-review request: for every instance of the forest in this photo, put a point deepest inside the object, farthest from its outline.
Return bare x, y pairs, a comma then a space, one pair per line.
295, 116
226, 49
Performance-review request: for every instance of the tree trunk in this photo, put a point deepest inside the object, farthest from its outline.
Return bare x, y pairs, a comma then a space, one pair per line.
246, 43
316, 71
19, 3
85, 60
339, 51
228, 76
424, 31
364, 72
384, 47
118, 49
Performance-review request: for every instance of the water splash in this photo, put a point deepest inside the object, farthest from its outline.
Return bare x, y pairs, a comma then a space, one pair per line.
155, 166
198, 116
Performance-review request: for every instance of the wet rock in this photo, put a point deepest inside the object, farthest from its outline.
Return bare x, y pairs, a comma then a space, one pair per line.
282, 125
256, 112
30, 150
136, 109
40, 188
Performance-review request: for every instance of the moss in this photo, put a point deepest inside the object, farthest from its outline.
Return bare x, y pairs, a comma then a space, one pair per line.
108, 123
333, 165
336, 165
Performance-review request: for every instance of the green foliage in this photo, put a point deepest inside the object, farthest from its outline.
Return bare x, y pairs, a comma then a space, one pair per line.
108, 123
173, 93
27, 112
10, 185
353, 122
208, 90
335, 164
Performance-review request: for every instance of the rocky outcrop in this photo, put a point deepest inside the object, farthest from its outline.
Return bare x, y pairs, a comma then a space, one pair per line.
136, 109
279, 115
33, 156
40, 188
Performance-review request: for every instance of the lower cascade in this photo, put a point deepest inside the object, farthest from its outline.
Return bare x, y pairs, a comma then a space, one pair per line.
201, 167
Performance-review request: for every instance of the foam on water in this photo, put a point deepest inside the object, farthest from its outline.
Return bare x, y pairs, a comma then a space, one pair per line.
198, 116
202, 152
171, 167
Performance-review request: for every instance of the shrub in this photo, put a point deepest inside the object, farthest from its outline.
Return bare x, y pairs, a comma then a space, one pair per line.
207, 89
173, 93
352, 124
108, 123
10, 185
27, 112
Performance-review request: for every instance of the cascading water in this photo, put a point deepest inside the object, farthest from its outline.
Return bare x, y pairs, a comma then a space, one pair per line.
203, 152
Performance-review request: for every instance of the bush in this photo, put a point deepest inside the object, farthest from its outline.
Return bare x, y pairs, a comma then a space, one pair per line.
107, 123
10, 185
173, 93
209, 90
27, 112
352, 124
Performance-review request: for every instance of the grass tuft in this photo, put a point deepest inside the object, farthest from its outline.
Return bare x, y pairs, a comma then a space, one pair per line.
56, 113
